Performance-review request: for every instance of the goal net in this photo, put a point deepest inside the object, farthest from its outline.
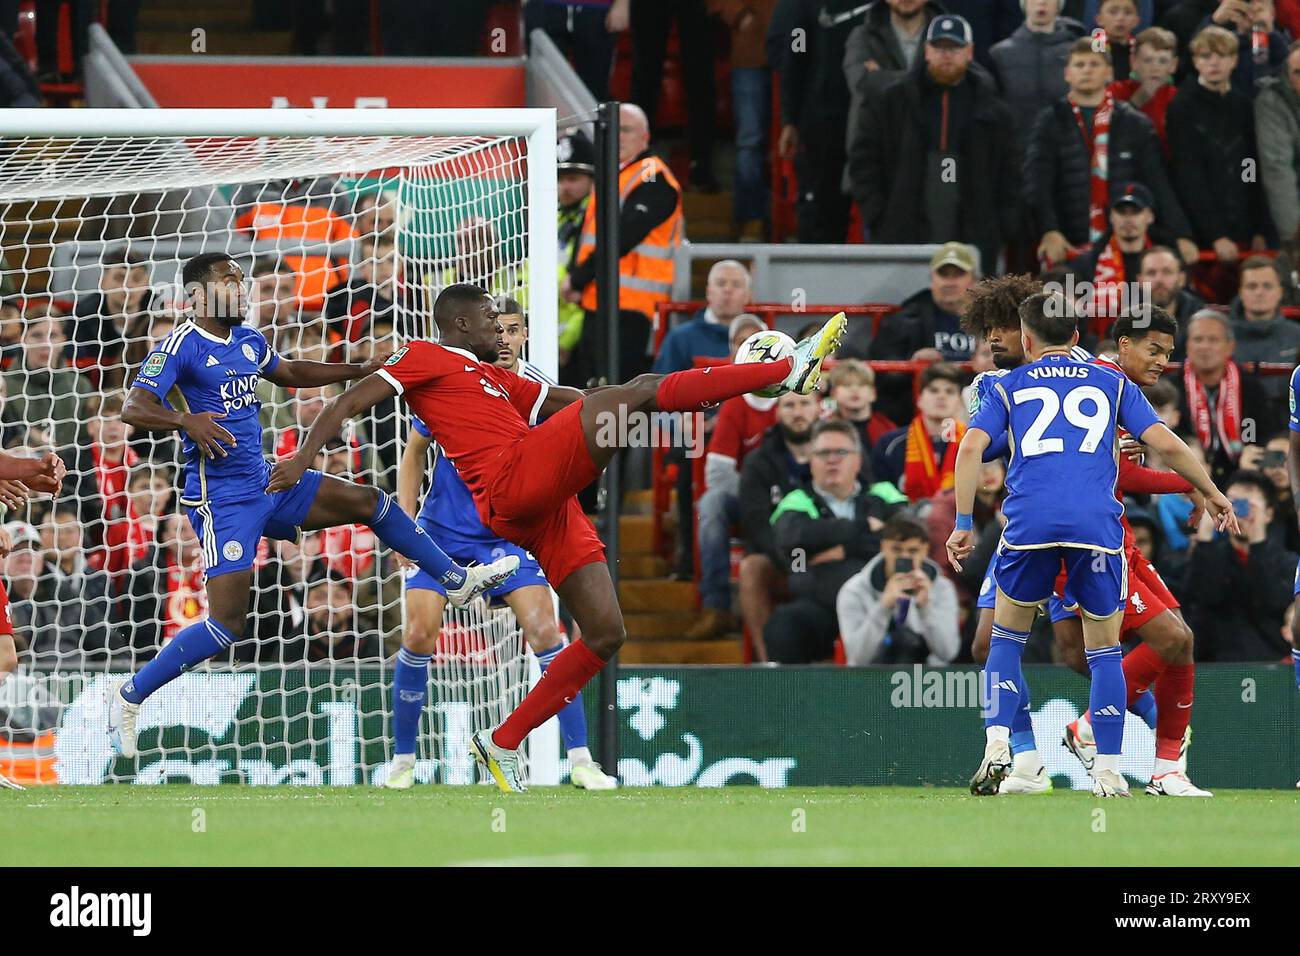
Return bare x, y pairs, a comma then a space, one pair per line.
347, 224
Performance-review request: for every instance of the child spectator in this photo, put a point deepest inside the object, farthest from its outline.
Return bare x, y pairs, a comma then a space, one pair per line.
1117, 19
1212, 139
852, 394
150, 493
920, 457
1151, 88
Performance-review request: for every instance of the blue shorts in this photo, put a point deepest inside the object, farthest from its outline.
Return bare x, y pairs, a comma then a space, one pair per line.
465, 552
1097, 580
230, 529
1057, 611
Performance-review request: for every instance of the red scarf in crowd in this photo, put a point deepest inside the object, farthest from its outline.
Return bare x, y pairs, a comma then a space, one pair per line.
1227, 410
1107, 279
923, 477
111, 478
1099, 164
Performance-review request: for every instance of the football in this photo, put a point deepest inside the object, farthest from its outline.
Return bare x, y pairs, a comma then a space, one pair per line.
766, 346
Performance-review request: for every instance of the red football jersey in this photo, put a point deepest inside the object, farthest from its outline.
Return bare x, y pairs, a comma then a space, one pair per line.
741, 423
473, 409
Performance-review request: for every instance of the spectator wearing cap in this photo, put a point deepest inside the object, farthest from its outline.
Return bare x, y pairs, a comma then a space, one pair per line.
885, 44
1262, 332
1083, 149
991, 22
1115, 261
1217, 398
1029, 64
575, 164
926, 327
585, 32
1212, 139
751, 105
1277, 125
936, 157
651, 227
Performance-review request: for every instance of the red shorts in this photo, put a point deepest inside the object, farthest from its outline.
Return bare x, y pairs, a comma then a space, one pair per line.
6, 613
531, 499
1148, 597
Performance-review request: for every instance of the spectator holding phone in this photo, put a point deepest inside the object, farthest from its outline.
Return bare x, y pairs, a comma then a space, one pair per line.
1238, 586
899, 609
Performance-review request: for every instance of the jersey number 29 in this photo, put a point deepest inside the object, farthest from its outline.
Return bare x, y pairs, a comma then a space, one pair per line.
1094, 424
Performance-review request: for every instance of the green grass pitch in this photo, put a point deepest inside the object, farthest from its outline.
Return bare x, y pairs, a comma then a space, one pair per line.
107, 826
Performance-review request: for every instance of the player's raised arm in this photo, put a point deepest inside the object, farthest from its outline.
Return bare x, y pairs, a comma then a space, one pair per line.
301, 373
966, 474
1179, 457
362, 396
144, 410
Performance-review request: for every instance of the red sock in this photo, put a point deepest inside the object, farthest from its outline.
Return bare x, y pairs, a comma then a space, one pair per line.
566, 675
698, 388
1142, 666
1173, 708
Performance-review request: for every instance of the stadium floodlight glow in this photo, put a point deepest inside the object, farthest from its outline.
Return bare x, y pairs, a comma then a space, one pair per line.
465, 195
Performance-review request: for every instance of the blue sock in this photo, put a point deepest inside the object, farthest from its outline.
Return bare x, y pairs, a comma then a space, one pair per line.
1295, 659
1002, 678
573, 721
193, 645
410, 688
395, 528
1106, 698
1022, 725
1145, 707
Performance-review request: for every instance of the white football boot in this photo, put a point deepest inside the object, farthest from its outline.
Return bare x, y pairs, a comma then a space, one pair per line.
483, 577
122, 716
1027, 776
502, 764
1079, 741
589, 776
1109, 783
992, 769
1175, 784
401, 776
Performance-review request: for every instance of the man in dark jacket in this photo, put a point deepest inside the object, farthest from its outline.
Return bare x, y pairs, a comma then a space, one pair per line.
1238, 586
884, 45
1061, 155
1030, 64
936, 157
806, 44
1262, 332
825, 531
928, 326
771, 471
1212, 141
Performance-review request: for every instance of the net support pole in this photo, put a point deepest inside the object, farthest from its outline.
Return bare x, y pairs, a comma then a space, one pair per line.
607, 238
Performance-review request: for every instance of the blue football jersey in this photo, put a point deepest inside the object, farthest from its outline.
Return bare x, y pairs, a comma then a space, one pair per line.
194, 371
1061, 418
982, 388
1294, 420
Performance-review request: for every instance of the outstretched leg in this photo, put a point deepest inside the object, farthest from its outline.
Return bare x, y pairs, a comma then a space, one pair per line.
339, 502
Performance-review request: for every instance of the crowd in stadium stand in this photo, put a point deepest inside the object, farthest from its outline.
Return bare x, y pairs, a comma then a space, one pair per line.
1103, 142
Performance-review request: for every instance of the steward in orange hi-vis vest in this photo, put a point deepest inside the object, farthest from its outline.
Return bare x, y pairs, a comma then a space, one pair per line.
298, 218
652, 229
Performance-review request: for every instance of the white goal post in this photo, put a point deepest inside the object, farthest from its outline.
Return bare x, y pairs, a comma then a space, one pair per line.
348, 221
